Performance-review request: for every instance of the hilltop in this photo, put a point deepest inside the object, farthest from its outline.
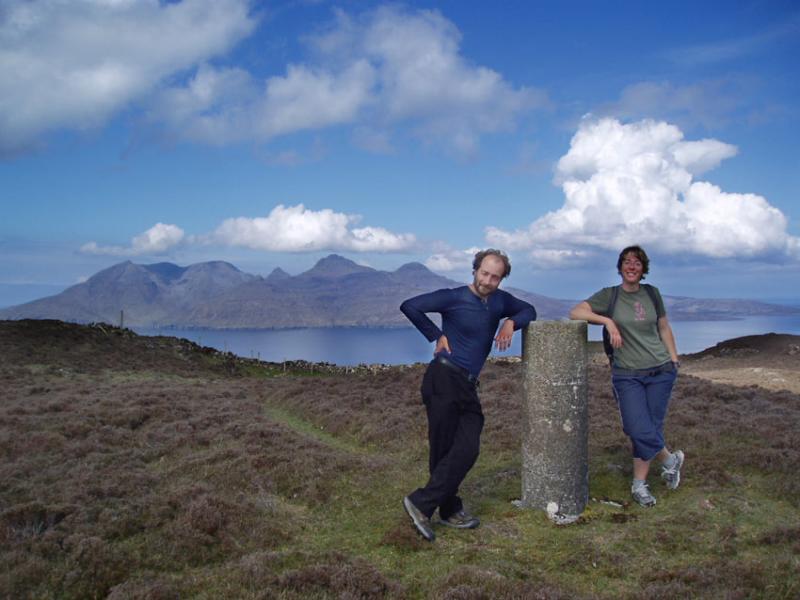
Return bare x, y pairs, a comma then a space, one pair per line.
335, 292
138, 467
771, 360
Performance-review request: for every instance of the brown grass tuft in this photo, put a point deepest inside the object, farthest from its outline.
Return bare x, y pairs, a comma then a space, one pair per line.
341, 577
719, 578
147, 588
472, 583
403, 537
29, 520
93, 567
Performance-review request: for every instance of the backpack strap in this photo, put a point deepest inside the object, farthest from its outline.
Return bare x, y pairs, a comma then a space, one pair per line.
607, 347
651, 291
613, 301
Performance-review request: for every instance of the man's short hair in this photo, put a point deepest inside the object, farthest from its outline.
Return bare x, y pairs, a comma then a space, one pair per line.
639, 253
476, 263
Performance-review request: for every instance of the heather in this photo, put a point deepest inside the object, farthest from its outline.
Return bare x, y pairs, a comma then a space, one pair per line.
135, 467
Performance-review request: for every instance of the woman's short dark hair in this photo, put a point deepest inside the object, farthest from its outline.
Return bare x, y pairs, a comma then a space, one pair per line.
639, 253
476, 263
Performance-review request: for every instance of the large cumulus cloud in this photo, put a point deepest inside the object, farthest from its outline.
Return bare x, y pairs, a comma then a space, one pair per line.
636, 183
374, 72
384, 72
76, 64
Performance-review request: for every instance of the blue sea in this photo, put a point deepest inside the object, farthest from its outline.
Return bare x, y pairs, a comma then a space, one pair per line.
352, 346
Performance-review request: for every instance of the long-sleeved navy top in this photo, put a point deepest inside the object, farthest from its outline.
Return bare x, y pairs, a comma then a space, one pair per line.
468, 322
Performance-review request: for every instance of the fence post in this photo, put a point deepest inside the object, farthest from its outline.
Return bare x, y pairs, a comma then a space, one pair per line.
555, 437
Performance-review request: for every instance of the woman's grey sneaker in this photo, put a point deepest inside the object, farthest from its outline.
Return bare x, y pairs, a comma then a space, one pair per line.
421, 522
461, 520
643, 496
672, 476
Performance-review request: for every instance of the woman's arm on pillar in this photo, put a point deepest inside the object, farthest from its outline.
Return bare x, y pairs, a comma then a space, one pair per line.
583, 312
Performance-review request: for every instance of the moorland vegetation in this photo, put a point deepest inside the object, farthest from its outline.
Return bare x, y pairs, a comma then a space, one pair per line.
138, 467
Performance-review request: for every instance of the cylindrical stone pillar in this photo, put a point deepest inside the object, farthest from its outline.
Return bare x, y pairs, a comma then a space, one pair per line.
555, 436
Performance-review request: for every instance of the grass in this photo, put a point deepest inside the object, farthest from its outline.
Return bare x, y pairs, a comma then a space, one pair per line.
311, 430
171, 476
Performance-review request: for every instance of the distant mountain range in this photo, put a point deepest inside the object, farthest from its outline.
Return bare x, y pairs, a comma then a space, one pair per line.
336, 292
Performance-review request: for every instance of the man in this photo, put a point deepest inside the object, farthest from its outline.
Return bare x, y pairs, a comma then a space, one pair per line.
470, 317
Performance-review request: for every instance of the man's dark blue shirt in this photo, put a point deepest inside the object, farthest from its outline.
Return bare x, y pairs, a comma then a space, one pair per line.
468, 322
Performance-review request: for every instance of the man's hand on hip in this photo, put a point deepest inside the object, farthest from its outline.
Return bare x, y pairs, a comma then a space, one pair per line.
442, 344
502, 340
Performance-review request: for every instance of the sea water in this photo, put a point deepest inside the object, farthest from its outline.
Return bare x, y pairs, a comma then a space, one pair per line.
352, 346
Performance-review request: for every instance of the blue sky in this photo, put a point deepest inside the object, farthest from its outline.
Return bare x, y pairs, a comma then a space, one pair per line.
272, 134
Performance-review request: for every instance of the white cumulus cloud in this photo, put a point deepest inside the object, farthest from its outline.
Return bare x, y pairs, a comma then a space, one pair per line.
224, 105
155, 241
424, 80
298, 229
75, 64
374, 72
635, 183
449, 259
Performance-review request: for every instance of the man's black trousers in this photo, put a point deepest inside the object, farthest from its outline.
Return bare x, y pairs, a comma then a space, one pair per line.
455, 422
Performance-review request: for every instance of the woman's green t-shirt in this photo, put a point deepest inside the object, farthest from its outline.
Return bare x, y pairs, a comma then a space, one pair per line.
637, 319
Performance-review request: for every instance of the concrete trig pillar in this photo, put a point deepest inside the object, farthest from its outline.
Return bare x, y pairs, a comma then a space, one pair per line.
555, 435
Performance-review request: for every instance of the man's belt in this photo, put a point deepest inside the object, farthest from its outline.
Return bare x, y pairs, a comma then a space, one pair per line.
667, 367
443, 360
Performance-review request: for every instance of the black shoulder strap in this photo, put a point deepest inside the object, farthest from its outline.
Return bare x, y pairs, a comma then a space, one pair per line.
607, 347
652, 293
613, 301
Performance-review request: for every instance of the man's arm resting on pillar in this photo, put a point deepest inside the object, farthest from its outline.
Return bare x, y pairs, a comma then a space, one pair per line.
502, 340
520, 312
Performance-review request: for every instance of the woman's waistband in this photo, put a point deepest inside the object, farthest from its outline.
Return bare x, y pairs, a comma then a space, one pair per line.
667, 367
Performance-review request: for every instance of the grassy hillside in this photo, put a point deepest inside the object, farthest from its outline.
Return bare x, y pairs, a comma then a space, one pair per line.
135, 467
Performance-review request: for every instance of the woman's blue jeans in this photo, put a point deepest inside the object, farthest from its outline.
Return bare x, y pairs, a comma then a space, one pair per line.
643, 397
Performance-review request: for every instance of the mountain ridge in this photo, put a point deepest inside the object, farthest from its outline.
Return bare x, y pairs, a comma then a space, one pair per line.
335, 292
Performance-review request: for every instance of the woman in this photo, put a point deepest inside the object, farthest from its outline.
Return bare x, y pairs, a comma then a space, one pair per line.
643, 369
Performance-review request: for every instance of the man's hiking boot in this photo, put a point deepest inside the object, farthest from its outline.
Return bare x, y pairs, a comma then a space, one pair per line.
461, 520
643, 496
421, 522
672, 476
